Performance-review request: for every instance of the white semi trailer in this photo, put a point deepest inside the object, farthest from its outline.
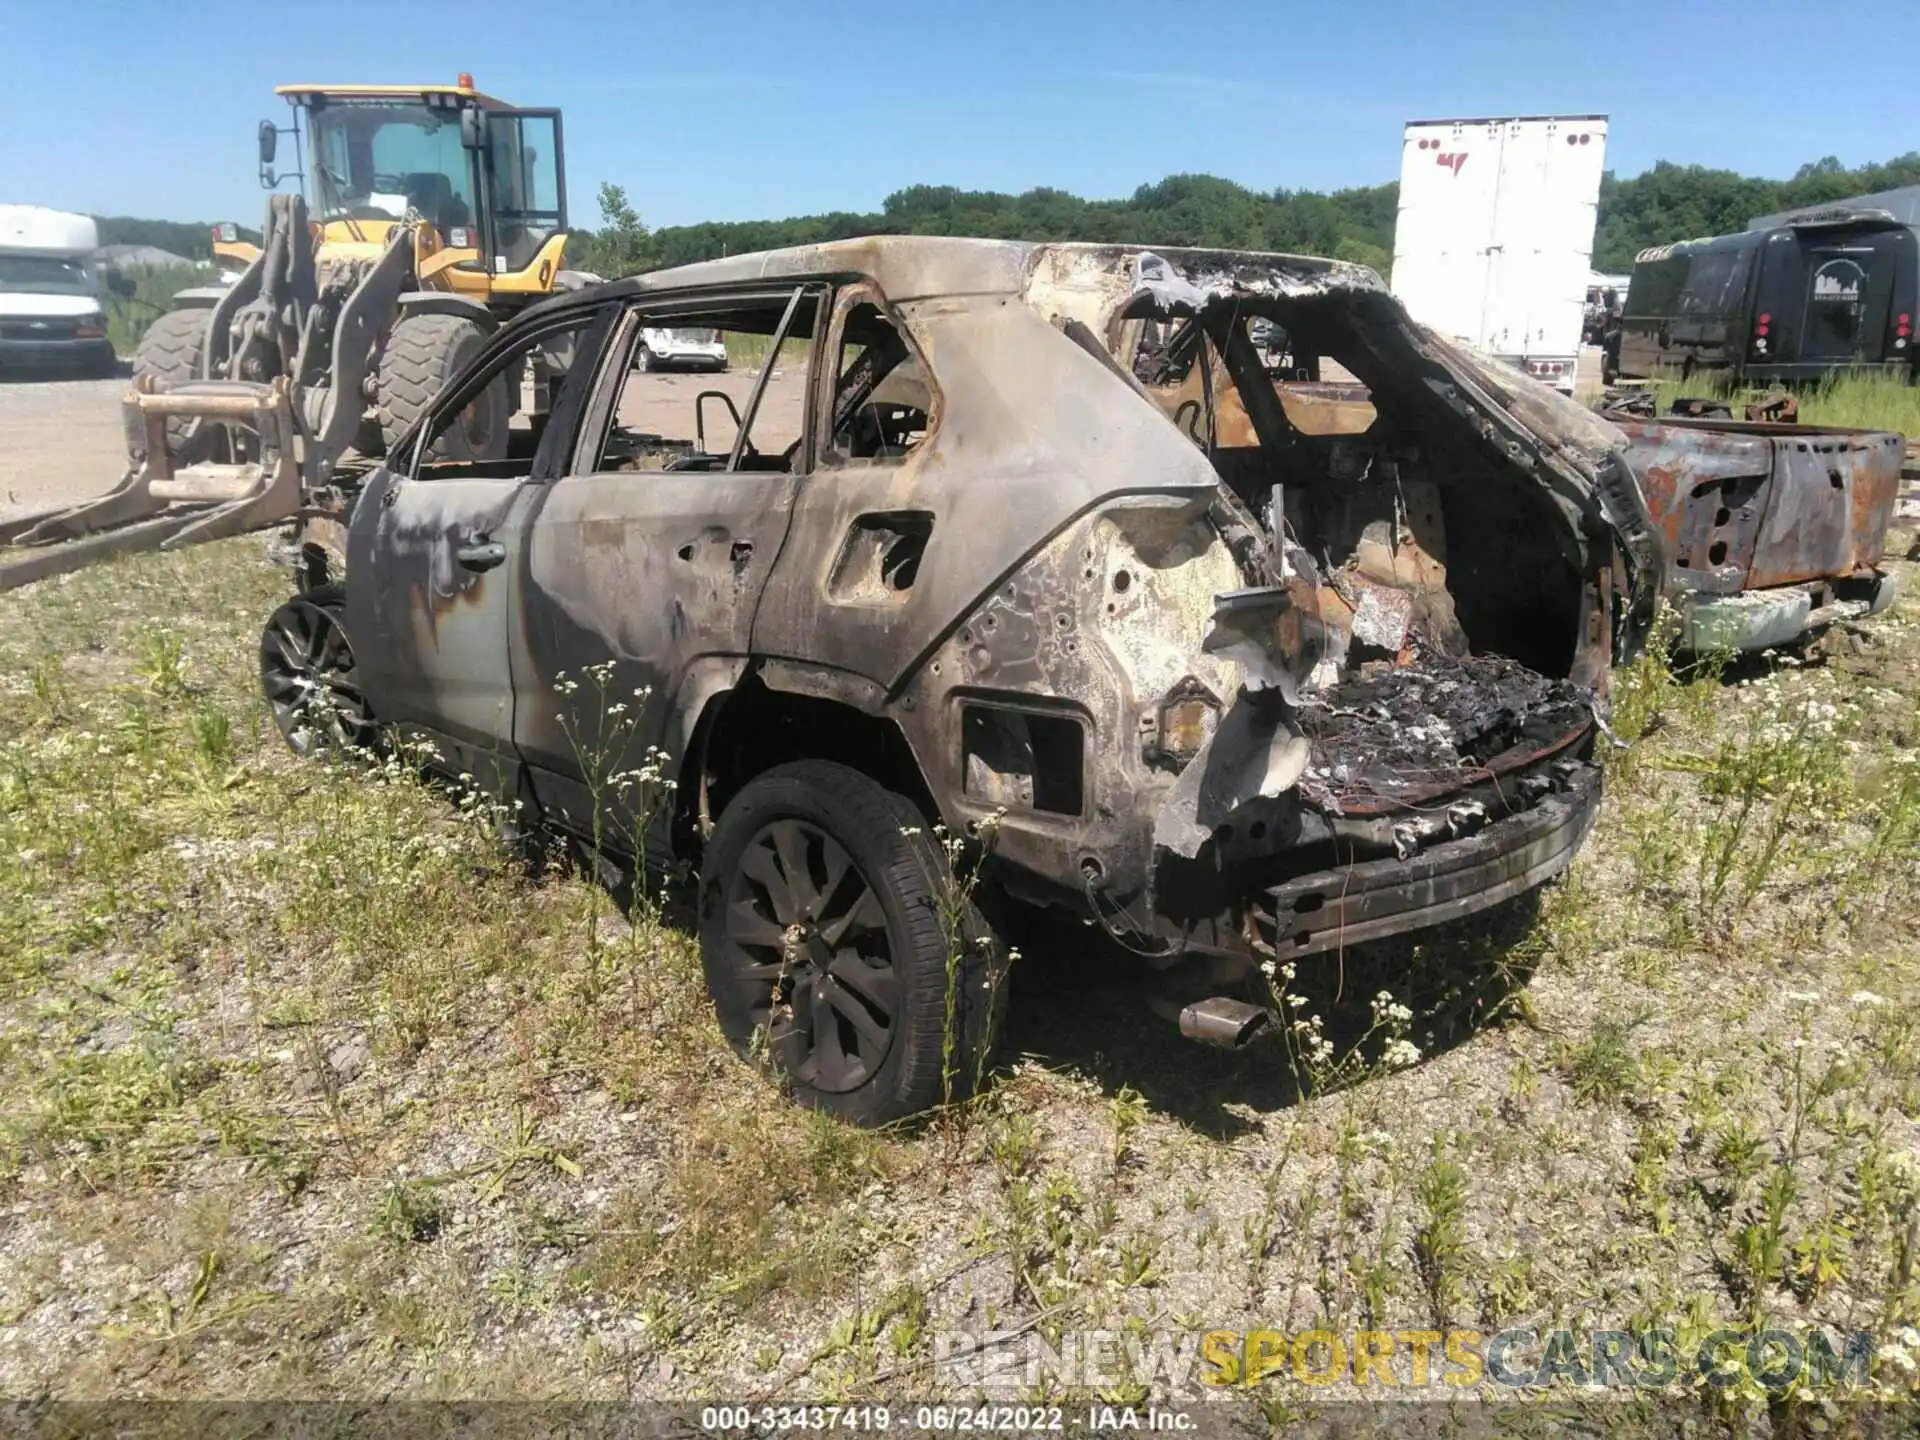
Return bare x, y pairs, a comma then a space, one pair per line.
1495, 234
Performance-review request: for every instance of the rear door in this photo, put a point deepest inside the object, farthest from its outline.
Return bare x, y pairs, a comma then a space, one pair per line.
646, 558
1557, 231
432, 554
1442, 261
1848, 304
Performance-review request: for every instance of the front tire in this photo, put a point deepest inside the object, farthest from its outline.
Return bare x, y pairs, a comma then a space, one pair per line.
421, 355
171, 352
307, 675
827, 952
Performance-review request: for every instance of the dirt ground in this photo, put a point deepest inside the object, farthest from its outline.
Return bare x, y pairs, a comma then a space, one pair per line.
63, 441
664, 404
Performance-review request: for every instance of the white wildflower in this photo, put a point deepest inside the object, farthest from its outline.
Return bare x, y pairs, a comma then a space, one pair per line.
1400, 1054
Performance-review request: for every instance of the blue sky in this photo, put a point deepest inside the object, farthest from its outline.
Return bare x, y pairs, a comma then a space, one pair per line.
715, 109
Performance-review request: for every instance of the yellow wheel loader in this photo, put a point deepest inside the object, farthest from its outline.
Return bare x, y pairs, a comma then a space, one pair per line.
425, 216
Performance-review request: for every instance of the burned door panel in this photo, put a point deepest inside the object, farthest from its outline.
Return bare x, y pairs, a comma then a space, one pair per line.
1756, 506
996, 479
1707, 493
647, 572
433, 564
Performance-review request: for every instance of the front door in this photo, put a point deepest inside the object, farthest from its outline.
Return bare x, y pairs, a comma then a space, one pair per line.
432, 556
427, 609
645, 561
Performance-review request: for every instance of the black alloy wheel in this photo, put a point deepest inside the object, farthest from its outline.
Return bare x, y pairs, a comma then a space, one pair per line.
825, 910
804, 925
307, 675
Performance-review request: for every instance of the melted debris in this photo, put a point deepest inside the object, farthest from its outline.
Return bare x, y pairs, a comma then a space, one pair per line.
1391, 733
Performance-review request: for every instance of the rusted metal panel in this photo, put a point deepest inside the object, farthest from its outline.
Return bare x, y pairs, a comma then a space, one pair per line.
1753, 506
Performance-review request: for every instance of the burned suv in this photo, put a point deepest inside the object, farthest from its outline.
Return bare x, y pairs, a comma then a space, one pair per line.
1237, 685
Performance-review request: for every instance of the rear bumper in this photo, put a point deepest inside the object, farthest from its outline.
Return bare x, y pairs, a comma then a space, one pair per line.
1377, 898
713, 363
1769, 619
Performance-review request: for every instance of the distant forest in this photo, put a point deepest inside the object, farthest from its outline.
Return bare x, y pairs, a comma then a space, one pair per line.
189, 239
1668, 202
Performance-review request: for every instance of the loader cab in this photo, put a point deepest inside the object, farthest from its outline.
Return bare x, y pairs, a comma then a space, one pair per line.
489, 179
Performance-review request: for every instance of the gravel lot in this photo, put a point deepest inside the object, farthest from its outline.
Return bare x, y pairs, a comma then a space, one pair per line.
60, 441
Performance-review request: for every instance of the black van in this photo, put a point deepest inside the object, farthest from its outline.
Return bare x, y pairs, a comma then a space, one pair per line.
1833, 290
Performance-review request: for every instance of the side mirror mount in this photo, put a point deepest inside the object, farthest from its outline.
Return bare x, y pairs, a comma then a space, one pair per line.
120, 283
473, 127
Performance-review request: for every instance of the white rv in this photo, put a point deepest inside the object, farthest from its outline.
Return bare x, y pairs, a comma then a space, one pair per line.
1495, 234
50, 312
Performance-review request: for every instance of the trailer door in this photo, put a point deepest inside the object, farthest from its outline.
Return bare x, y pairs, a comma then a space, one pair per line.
1543, 240
1442, 263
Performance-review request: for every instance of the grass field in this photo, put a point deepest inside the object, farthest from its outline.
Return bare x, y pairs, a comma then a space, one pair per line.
308, 1091
1866, 402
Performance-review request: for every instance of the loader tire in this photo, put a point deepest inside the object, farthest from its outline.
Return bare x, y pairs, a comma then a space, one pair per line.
422, 353
170, 352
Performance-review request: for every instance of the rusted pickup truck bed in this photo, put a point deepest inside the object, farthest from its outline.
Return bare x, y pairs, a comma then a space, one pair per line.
1771, 531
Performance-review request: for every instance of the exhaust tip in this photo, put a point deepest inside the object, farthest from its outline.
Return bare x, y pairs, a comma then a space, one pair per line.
1224, 1022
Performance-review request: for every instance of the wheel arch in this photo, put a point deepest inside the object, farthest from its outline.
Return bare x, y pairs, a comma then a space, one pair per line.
200, 297
445, 302
769, 717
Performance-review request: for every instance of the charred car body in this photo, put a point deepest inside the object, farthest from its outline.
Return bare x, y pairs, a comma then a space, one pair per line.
1238, 691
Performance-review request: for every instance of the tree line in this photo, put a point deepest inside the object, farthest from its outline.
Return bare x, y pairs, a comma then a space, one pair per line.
188, 239
1668, 202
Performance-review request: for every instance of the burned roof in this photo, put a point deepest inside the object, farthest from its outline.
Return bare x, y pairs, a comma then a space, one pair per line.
911, 267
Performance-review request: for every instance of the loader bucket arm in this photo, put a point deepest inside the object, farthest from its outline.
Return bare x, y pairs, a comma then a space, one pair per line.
156, 507
286, 433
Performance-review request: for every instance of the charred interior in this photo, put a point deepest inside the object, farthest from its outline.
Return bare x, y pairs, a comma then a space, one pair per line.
1427, 539
1444, 603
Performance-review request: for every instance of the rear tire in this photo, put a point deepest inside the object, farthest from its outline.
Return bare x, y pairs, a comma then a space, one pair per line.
421, 355
824, 946
171, 352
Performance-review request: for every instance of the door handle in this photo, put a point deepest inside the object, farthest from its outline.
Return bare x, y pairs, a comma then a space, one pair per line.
480, 553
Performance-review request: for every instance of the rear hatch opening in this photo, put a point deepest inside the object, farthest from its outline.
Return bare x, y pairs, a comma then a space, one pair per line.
1436, 615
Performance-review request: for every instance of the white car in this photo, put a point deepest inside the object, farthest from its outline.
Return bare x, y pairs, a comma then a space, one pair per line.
682, 350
